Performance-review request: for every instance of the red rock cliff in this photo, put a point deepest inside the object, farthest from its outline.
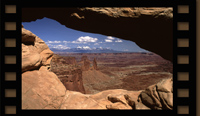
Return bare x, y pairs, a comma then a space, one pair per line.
68, 72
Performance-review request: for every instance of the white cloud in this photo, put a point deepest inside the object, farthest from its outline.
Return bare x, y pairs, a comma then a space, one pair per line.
85, 39
75, 42
66, 42
60, 47
110, 37
79, 47
119, 40
108, 40
53, 41
96, 44
84, 47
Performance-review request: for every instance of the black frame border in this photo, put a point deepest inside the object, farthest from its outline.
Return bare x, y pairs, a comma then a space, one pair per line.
191, 50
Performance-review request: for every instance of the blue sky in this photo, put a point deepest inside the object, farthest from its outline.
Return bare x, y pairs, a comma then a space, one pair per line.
59, 36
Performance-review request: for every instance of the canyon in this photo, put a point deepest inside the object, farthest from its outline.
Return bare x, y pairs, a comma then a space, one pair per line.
130, 71
135, 81
43, 89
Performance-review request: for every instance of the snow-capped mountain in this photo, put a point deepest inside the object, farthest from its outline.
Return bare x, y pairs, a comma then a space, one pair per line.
86, 49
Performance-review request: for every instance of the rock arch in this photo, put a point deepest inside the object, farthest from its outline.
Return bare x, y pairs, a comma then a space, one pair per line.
150, 28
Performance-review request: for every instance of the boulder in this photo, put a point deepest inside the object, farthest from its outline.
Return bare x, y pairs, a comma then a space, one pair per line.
158, 96
35, 53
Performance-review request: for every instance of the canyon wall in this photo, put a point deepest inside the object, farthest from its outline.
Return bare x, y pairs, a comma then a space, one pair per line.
68, 72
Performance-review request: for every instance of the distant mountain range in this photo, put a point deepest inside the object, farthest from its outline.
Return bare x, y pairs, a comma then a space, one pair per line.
88, 50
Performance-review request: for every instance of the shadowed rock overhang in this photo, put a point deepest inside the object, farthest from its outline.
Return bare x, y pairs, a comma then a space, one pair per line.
149, 27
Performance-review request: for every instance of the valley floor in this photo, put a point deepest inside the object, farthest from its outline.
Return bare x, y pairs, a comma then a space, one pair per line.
129, 71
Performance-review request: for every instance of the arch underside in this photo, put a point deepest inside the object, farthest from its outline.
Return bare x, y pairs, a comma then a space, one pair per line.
149, 28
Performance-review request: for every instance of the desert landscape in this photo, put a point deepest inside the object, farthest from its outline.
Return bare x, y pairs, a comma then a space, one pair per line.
106, 81
104, 71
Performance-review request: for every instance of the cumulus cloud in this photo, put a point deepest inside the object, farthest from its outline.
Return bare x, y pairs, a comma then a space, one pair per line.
59, 47
84, 47
53, 41
108, 40
85, 39
118, 40
96, 44
110, 37
79, 47
66, 42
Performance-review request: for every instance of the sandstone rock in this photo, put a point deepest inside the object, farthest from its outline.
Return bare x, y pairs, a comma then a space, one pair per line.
158, 96
109, 99
28, 38
117, 106
95, 78
35, 53
141, 106
68, 72
74, 81
85, 63
76, 100
130, 101
83, 58
46, 57
40, 45
94, 64
30, 58
67, 60
133, 12
70, 60
41, 89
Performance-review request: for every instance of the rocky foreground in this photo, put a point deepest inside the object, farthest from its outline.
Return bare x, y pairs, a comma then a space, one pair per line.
42, 89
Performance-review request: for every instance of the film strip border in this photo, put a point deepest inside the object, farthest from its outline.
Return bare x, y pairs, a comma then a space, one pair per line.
10, 57
185, 60
184, 57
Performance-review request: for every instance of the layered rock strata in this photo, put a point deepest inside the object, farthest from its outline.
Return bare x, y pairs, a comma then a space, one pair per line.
69, 73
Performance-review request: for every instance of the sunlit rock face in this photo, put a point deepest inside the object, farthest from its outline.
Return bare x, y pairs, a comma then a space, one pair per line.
36, 54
